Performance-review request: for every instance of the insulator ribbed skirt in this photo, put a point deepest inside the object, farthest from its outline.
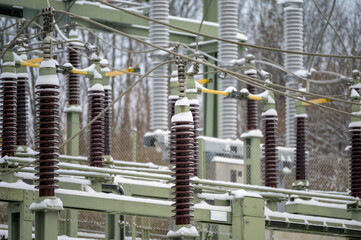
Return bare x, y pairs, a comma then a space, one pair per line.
73, 92
301, 148
107, 122
270, 123
183, 159
355, 166
8, 98
47, 120
96, 135
252, 110
194, 108
22, 111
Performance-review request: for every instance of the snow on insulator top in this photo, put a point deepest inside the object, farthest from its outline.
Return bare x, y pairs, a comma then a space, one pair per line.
244, 90
354, 93
184, 231
73, 108
250, 72
252, 133
97, 74
263, 94
68, 65
242, 37
106, 69
358, 85
56, 204
270, 100
94, 56
355, 71
8, 75
22, 75
270, 112
97, 87
107, 87
183, 117
355, 124
194, 101
230, 89
302, 73
49, 63
182, 102
73, 33
104, 62
173, 97
301, 115
239, 62
47, 80
89, 69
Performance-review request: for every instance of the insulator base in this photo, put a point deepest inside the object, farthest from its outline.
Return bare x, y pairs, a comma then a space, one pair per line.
300, 148
355, 165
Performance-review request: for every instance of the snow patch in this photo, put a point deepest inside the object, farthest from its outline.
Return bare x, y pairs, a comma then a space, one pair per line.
270, 112
242, 193
303, 115
55, 204
182, 102
252, 133
73, 108
8, 75
22, 75
184, 231
49, 63
250, 72
183, 117
230, 89
96, 87
228, 160
354, 93
47, 80
355, 124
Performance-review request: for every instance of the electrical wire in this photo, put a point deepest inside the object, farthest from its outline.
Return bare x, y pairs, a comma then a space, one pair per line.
229, 41
6, 28
252, 81
322, 33
68, 9
338, 35
200, 25
95, 118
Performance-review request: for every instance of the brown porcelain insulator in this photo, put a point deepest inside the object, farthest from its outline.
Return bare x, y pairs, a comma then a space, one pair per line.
73, 83
301, 147
252, 107
22, 111
8, 98
47, 120
96, 138
355, 166
171, 104
194, 108
182, 158
270, 123
107, 121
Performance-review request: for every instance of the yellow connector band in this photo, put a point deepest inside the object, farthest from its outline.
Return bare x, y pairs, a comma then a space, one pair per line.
202, 81
117, 73
253, 97
35, 60
205, 90
27, 64
79, 72
317, 101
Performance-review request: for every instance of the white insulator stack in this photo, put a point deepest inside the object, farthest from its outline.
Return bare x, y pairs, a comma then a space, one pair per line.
293, 39
228, 28
159, 35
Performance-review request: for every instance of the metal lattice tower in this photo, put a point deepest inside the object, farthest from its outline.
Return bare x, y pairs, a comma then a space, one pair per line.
228, 27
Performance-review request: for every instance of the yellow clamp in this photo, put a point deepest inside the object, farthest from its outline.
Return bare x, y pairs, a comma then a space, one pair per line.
253, 97
205, 90
27, 64
117, 73
79, 72
35, 60
317, 101
202, 81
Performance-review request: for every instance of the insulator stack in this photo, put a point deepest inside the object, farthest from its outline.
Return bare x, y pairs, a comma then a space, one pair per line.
194, 108
22, 110
182, 158
355, 166
47, 120
107, 120
270, 123
96, 105
252, 106
8, 90
73, 92
171, 103
300, 147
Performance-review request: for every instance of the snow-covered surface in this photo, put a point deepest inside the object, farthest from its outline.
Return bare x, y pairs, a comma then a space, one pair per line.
250, 72
302, 115
97, 87
8, 75
289, 1
47, 80
64, 237
313, 202
50, 63
183, 117
252, 133
242, 37
227, 160
230, 89
73, 33
107, 87
182, 102
184, 231
68, 65
214, 196
204, 205
355, 124
194, 101
97, 75
22, 75
354, 93
73, 108
270, 112
17, 185
270, 100
302, 73
244, 90
55, 204
243, 193
120, 180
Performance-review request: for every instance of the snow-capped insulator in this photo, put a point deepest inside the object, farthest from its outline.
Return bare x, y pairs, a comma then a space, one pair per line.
252, 105
270, 122
8, 80
47, 121
107, 120
96, 106
73, 92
